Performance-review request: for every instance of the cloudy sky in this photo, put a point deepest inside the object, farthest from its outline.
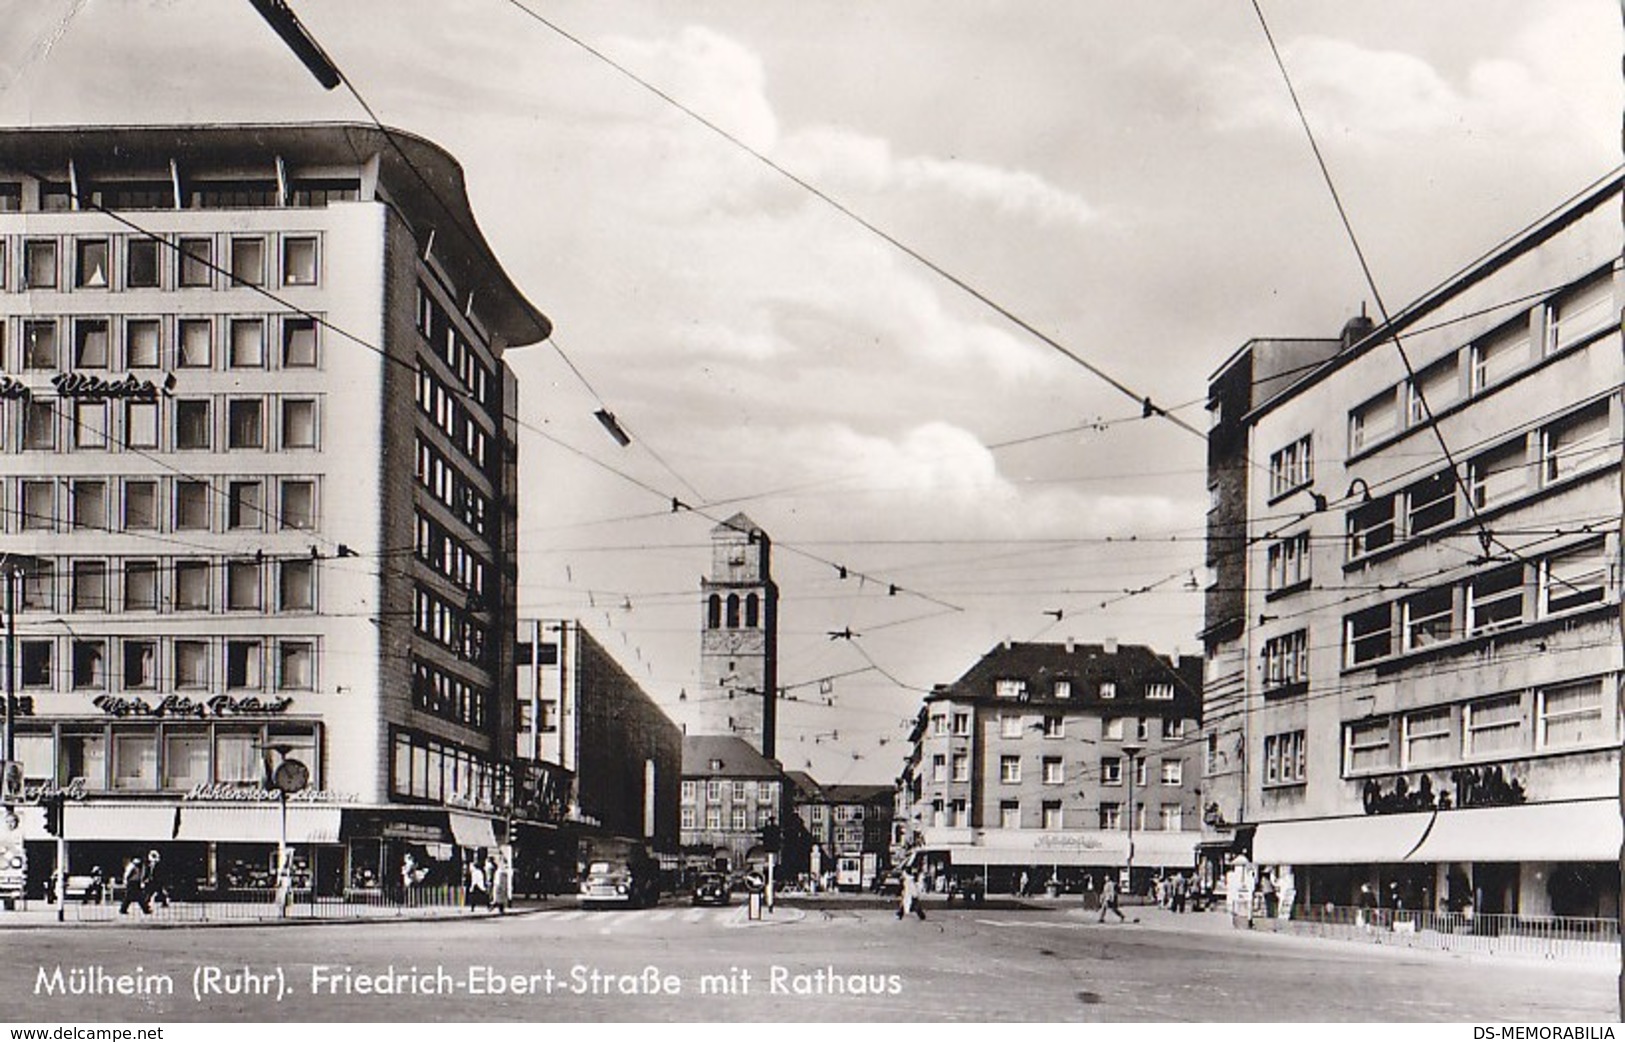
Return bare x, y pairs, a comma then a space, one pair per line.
1128, 179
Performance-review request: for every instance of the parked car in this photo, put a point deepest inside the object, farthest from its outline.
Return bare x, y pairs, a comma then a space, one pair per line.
711, 889
627, 884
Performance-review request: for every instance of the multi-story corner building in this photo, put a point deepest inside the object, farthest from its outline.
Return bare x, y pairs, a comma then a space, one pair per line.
1422, 641
848, 827
1043, 757
258, 466
730, 793
601, 757
739, 642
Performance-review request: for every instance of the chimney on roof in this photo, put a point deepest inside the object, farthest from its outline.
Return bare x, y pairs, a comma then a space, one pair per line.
1109, 645
1005, 644
1071, 645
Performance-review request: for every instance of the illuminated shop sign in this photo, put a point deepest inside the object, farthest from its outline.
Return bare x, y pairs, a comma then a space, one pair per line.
1487, 786
182, 706
226, 792
89, 387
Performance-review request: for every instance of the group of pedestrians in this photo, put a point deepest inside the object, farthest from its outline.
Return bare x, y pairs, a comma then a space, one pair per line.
489, 883
143, 883
1174, 892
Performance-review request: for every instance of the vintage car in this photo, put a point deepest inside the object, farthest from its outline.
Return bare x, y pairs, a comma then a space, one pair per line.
624, 884
711, 889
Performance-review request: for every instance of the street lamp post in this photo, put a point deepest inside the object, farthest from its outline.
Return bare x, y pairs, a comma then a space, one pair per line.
1132, 754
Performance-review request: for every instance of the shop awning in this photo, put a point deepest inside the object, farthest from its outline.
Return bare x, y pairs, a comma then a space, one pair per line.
471, 830
1373, 839
1582, 830
259, 823
1152, 849
143, 822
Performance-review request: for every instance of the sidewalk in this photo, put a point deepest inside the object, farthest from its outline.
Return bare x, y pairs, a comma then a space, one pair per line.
1218, 922
40, 915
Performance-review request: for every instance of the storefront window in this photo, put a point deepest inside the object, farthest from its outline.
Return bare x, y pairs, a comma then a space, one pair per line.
135, 760
186, 759
235, 757
84, 755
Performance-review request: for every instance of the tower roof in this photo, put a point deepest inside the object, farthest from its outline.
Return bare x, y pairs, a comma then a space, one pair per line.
740, 522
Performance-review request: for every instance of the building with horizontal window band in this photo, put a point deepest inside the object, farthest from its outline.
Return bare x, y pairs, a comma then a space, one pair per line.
1055, 760
1414, 657
257, 471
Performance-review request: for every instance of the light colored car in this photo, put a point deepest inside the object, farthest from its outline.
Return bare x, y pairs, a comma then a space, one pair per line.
626, 884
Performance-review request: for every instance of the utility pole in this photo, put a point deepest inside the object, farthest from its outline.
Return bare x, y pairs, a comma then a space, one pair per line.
11, 572
1132, 754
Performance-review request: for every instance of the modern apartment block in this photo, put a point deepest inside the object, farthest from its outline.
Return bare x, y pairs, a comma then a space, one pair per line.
258, 469
603, 758
1043, 757
1413, 627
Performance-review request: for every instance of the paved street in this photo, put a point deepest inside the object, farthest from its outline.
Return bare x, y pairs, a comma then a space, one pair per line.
836, 961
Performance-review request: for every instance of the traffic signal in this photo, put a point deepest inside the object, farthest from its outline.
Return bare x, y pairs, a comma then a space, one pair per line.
53, 815
772, 838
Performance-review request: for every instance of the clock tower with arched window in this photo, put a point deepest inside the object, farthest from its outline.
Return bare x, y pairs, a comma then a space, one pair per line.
740, 639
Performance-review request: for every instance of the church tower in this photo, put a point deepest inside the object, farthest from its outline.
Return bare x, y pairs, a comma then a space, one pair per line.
739, 645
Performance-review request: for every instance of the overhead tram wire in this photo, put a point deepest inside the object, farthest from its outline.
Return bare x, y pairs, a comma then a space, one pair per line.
676, 504
1145, 401
1388, 328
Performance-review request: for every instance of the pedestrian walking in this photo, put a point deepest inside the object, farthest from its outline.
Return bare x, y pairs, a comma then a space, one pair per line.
1026, 884
96, 889
135, 886
1366, 905
476, 894
1108, 901
1266, 887
502, 883
908, 897
1181, 891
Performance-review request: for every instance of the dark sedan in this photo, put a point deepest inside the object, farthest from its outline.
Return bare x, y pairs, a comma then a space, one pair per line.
711, 889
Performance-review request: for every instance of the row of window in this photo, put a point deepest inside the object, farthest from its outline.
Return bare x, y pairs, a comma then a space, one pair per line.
1171, 771
447, 483
168, 757
150, 342
147, 665
445, 407
1062, 688
442, 772
1553, 453
231, 424
116, 262
449, 556
452, 626
206, 193
453, 348
1051, 725
739, 819
740, 791
448, 696
1052, 816
181, 584
1575, 316
1555, 717
720, 612
1489, 601
1565, 321
168, 504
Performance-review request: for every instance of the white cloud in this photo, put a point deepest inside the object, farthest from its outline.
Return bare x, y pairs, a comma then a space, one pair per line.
839, 156
931, 479
1376, 96
709, 73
